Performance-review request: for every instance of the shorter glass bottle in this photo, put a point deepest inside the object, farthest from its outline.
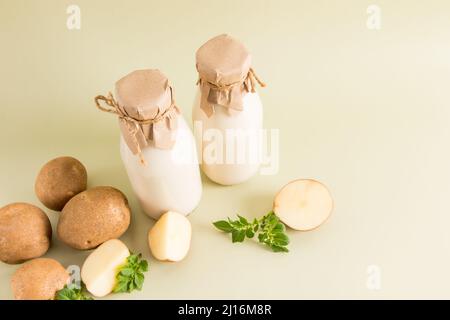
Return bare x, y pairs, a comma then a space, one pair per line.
156, 144
227, 112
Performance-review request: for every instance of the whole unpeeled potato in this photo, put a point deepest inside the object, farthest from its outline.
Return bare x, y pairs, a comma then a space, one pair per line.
59, 180
25, 232
39, 279
93, 217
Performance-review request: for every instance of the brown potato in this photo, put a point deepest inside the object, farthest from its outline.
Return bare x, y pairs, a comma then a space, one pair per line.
93, 217
39, 279
59, 180
25, 232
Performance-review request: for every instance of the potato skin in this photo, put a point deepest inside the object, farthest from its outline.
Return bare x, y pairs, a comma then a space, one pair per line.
39, 279
93, 217
59, 180
25, 232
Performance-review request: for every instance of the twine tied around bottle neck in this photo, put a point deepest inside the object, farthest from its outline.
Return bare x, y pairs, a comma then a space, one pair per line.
133, 125
227, 95
249, 82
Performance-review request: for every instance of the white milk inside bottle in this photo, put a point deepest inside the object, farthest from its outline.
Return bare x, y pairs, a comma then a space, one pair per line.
227, 112
156, 144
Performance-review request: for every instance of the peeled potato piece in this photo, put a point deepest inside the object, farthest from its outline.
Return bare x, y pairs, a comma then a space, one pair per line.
101, 266
170, 238
303, 204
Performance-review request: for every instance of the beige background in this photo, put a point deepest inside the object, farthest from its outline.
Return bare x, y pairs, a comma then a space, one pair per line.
366, 112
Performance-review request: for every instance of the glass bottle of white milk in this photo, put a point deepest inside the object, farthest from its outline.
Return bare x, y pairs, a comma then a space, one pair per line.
227, 112
157, 146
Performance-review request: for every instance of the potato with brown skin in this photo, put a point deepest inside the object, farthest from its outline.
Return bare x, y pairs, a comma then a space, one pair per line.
59, 180
25, 232
39, 279
93, 217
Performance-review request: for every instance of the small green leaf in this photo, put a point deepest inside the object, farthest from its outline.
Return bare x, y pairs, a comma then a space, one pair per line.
72, 292
255, 225
236, 224
121, 277
132, 259
261, 237
223, 226
139, 280
143, 265
281, 239
279, 249
279, 227
120, 287
242, 220
126, 271
234, 236
237, 236
273, 221
131, 275
64, 294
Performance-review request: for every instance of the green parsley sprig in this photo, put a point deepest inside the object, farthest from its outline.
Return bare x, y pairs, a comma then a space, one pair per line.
131, 275
271, 231
72, 292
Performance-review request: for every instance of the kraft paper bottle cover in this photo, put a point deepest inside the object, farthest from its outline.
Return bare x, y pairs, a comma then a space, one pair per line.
146, 109
225, 74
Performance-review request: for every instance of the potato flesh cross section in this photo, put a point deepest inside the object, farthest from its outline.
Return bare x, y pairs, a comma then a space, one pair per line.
170, 237
303, 204
100, 269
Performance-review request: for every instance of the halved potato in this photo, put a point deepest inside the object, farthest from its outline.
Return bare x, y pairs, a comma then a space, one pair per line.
100, 269
170, 238
303, 204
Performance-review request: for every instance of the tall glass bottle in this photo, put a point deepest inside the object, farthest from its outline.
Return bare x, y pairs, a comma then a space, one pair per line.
156, 144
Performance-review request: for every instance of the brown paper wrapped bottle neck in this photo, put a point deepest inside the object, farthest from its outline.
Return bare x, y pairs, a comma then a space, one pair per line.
250, 77
111, 106
222, 94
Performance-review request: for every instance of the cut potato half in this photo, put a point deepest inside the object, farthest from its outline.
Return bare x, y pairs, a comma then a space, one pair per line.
100, 269
170, 238
303, 204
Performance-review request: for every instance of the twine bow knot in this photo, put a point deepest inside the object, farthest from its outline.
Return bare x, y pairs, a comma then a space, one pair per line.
133, 124
226, 94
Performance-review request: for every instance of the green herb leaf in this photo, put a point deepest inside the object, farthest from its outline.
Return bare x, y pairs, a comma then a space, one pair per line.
250, 233
72, 292
242, 220
279, 248
223, 225
271, 231
131, 275
237, 236
139, 280
143, 265
126, 271
281, 239
121, 286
